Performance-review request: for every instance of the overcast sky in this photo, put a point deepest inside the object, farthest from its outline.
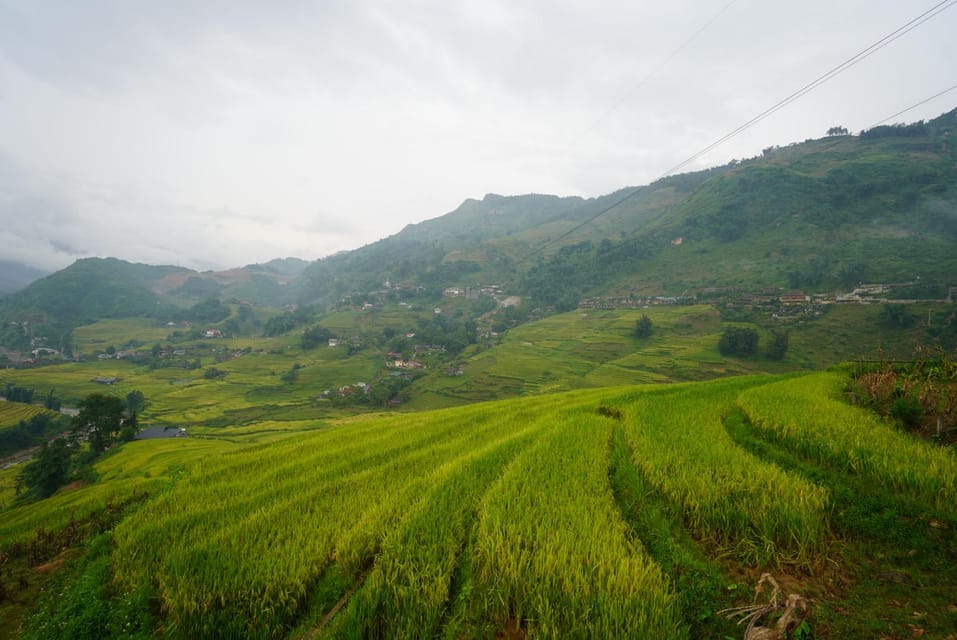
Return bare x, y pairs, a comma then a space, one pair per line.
216, 134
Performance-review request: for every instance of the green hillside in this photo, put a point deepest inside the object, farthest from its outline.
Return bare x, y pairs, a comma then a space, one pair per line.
818, 215
92, 289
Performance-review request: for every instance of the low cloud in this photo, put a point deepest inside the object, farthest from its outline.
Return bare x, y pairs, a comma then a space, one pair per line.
217, 134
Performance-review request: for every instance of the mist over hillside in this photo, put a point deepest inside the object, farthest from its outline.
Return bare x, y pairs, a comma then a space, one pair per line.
15, 276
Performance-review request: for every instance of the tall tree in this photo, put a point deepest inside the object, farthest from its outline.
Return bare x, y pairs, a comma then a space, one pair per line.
643, 327
100, 418
47, 472
135, 402
778, 347
738, 341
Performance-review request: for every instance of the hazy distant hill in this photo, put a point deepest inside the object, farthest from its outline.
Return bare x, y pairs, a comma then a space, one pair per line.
95, 288
15, 276
281, 266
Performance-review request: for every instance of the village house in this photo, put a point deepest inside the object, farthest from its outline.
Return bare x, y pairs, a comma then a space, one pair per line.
793, 298
398, 363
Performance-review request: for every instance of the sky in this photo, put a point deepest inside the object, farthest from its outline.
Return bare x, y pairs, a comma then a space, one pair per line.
216, 134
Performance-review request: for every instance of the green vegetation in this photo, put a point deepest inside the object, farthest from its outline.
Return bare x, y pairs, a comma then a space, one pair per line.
778, 344
24, 425
738, 341
682, 451
101, 421
919, 395
806, 415
619, 512
643, 327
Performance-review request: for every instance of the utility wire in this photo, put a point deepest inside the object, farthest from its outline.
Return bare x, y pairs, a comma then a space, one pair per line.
844, 66
651, 74
914, 106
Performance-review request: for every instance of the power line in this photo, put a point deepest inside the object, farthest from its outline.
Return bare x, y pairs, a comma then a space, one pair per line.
841, 68
844, 66
651, 74
914, 106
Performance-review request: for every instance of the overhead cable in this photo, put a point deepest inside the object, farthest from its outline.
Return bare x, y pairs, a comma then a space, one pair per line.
913, 106
844, 66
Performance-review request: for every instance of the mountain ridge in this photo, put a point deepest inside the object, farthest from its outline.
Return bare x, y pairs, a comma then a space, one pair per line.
817, 215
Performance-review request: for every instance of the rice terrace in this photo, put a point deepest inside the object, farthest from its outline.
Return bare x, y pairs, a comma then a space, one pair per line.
625, 511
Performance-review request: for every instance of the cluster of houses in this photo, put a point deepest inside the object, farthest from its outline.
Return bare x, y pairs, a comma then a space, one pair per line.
354, 341
371, 299
394, 359
345, 391
473, 293
772, 300
775, 302
632, 302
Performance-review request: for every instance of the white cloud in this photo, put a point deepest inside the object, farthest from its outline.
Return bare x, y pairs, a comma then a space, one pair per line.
213, 134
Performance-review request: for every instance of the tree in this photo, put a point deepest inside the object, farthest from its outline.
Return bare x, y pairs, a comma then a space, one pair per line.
278, 325
51, 402
47, 472
212, 373
135, 402
314, 336
896, 316
130, 427
643, 327
292, 374
208, 311
15, 393
778, 346
738, 341
101, 417
837, 131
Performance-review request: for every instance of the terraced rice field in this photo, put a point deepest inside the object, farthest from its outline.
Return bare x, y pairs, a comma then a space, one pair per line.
501, 517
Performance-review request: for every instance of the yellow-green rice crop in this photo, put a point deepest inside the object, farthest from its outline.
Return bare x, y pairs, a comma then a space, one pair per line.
552, 549
252, 531
144, 466
409, 588
807, 415
726, 494
12, 413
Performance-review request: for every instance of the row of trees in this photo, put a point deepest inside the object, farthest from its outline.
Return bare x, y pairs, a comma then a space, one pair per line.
31, 432
744, 342
916, 129
735, 341
102, 421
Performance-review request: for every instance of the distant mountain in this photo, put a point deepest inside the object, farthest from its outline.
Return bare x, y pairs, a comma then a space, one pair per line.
281, 266
15, 276
821, 215
817, 215
490, 240
94, 288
